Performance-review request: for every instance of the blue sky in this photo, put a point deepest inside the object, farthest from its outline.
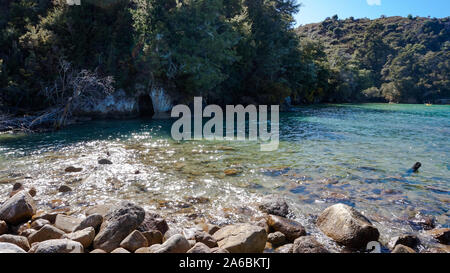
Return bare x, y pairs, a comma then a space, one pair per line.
314, 11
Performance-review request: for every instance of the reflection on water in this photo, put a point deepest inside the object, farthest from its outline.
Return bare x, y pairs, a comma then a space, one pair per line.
353, 154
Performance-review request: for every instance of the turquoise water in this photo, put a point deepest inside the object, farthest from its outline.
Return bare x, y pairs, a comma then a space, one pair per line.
353, 154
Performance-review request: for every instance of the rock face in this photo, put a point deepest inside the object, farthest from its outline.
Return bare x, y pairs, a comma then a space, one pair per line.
402, 249
66, 223
175, 244
290, 228
275, 205
308, 244
3, 227
347, 226
59, 246
84, 237
242, 238
153, 221
94, 220
441, 234
117, 225
18, 209
10, 248
47, 232
134, 241
19, 241
199, 248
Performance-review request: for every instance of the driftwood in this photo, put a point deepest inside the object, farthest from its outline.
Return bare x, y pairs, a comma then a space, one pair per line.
70, 92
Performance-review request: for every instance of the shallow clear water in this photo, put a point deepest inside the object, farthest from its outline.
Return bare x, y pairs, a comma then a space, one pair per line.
353, 154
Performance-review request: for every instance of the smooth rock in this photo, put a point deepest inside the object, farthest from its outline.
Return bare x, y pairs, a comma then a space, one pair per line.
118, 225
241, 238
205, 238
143, 250
47, 232
72, 169
403, 249
134, 241
94, 220
218, 250
153, 237
175, 244
98, 251
440, 234
3, 227
120, 250
19, 241
64, 188
59, 246
10, 248
276, 238
276, 205
18, 209
39, 223
290, 228
347, 226
199, 248
84, 237
308, 244
66, 223
105, 161
153, 221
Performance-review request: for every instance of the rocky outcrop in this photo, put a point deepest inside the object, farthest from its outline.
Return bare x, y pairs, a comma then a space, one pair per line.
347, 226
241, 238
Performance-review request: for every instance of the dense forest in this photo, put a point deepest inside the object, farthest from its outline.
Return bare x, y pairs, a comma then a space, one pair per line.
228, 51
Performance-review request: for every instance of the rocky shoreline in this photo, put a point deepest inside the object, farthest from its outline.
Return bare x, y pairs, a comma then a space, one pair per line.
128, 228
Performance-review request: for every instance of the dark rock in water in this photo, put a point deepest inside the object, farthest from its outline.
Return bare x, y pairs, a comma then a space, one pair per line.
408, 240
64, 188
403, 249
18, 209
416, 167
72, 169
421, 221
32, 192
118, 225
308, 244
290, 228
347, 226
153, 221
440, 234
105, 161
17, 187
275, 205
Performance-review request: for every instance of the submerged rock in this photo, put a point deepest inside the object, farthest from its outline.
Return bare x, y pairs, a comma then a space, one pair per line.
18, 209
241, 238
347, 226
440, 234
72, 169
118, 225
64, 188
290, 228
308, 244
275, 205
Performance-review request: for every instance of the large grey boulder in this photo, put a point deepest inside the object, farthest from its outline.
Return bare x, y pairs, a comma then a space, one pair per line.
118, 225
18, 209
241, 238
347, 226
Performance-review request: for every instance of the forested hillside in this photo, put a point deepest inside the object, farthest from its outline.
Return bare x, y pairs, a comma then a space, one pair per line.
228, 51
388, 59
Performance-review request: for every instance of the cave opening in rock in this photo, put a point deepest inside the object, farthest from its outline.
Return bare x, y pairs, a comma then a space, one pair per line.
145, 106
